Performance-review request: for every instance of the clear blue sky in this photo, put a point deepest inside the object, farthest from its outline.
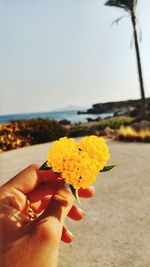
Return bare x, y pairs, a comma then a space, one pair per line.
55, 53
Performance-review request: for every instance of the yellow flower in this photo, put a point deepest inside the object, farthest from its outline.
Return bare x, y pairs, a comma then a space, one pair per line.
80, 170
96, 148
59, 152
79, 164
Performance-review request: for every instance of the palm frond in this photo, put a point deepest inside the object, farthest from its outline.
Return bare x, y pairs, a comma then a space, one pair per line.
127, 5
116, 21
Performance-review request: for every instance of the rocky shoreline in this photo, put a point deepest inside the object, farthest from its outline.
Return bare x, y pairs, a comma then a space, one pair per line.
128, 107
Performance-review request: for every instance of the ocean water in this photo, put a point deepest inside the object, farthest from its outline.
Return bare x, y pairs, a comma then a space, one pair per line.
71, 115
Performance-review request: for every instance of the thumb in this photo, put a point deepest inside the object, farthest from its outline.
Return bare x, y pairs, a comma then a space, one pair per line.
50, 223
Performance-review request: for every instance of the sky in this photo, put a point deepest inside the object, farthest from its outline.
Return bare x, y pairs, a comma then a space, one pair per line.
55, 53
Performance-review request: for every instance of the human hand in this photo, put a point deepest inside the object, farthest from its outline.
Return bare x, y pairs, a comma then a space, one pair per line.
35, 243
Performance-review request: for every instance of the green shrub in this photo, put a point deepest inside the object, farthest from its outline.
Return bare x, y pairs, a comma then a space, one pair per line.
113, 123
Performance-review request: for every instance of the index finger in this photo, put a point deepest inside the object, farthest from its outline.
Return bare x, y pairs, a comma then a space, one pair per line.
28, 179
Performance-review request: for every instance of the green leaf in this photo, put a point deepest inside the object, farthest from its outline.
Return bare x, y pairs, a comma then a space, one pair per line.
108, 168
45, 166
75, 193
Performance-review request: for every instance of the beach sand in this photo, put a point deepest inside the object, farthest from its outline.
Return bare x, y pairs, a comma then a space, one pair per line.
116, 229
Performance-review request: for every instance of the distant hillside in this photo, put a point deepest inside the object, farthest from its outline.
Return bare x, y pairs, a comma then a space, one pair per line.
118, 106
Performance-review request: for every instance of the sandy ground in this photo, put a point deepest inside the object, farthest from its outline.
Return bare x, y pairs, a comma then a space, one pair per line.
116, 229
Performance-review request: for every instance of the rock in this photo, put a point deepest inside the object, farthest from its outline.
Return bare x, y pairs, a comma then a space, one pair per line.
65, 122
117, 106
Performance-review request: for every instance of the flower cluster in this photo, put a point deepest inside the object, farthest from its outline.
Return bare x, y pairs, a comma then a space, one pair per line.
10, 137
78, 163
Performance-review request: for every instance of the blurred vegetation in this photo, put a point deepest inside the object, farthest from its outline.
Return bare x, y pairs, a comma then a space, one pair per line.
99, 127
20, 133
131, 133
113, 123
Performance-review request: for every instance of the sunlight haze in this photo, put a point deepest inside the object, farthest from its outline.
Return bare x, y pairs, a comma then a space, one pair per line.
57, 53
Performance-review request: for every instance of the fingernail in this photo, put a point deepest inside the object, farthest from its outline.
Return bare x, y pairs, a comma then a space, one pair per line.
71, 235
60, 199
92, 187
81, 210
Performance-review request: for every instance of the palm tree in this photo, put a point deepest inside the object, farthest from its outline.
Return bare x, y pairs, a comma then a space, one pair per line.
130, 7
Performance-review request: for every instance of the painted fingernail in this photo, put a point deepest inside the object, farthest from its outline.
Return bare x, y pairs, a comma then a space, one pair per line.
69, 233
60, 199
82, 211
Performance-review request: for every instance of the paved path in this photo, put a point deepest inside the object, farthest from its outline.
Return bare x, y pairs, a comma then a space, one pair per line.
116, 228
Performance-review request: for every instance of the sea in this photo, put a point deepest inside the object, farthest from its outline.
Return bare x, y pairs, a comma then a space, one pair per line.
70, 115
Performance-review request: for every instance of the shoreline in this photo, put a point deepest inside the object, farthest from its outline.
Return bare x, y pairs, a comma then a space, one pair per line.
72, 116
